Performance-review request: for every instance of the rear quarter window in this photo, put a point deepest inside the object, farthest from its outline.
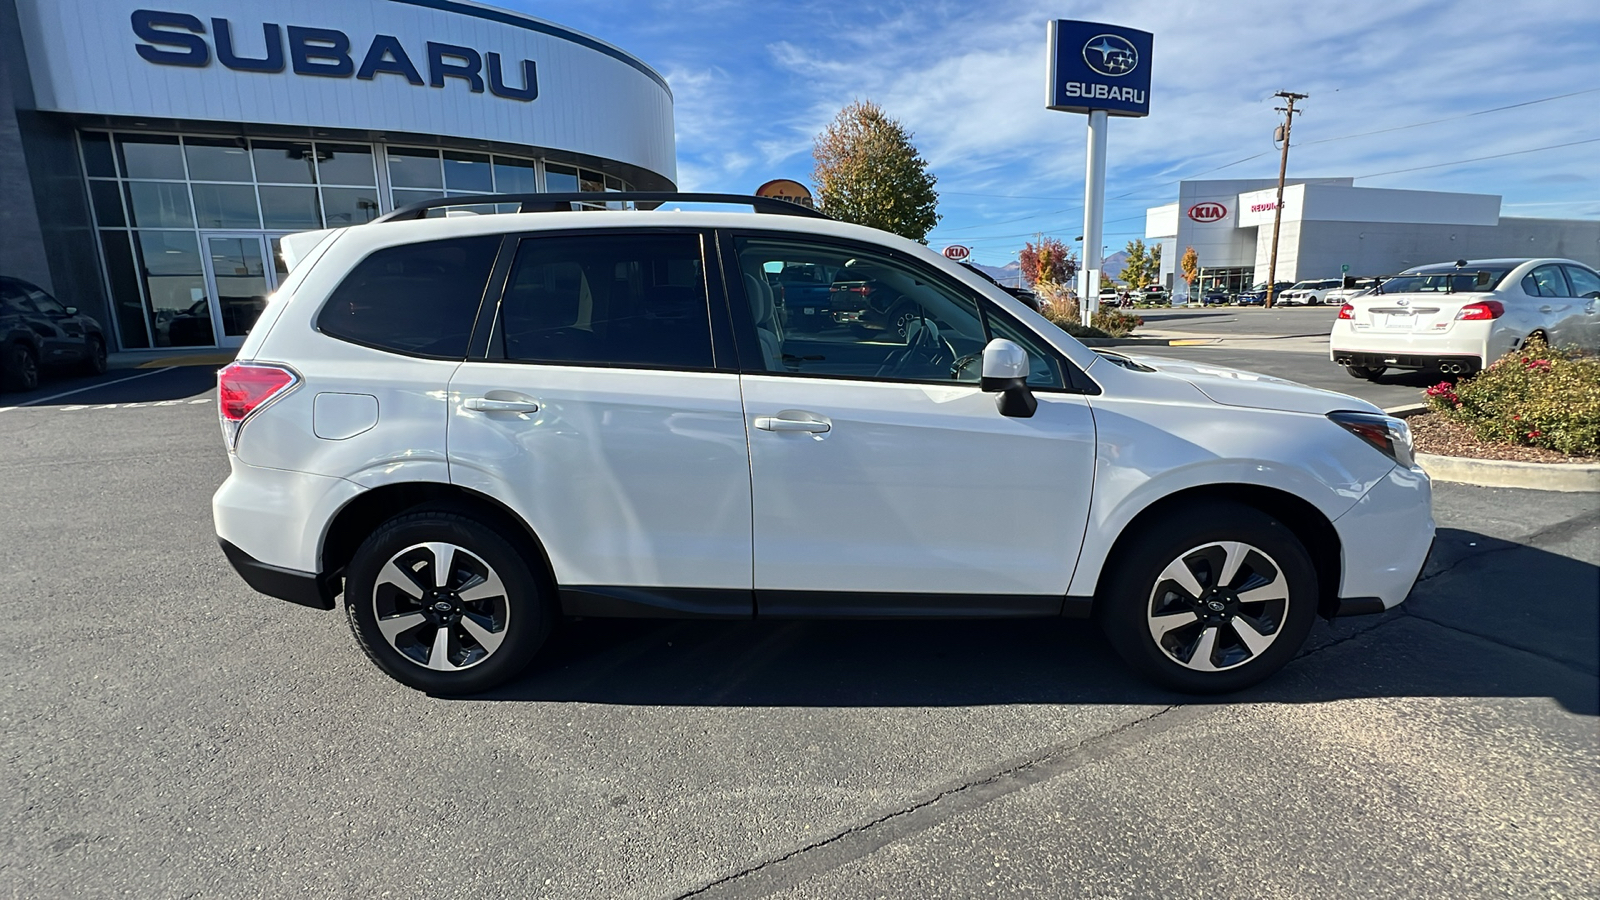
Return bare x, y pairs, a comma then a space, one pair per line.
418, 299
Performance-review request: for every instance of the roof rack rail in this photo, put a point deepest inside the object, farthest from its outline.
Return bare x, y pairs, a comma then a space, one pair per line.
563, 202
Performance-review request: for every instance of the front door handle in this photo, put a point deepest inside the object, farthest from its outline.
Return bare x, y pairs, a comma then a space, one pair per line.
1546, 308
777, 423
485, 404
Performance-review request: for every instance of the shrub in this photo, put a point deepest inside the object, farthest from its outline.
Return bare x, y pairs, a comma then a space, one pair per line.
1536, 396
1061, 308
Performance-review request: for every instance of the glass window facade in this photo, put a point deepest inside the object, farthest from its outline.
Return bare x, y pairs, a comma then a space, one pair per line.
158, 199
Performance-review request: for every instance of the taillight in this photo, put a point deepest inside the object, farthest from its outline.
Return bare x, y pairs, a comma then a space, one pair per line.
1347, 311
1482, 311
244, 388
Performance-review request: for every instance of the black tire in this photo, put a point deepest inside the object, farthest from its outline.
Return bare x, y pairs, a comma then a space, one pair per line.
19, 368
523, 610
94, 358
1370, 373
1136, 598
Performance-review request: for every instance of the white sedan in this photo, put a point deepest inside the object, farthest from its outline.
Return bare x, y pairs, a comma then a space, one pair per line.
1456, 318
1309, 293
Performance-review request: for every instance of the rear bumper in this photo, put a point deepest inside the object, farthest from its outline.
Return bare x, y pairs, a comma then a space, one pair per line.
1452, 362
304, 588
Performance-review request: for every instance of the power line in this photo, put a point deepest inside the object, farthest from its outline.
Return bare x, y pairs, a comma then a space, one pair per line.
1459, 162
1481, 112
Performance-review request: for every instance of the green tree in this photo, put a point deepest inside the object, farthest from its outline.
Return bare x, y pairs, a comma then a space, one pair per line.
1143, 265
868, 172
1048, 262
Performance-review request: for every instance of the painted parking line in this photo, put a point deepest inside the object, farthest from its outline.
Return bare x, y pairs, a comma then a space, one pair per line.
143, 404
82, 389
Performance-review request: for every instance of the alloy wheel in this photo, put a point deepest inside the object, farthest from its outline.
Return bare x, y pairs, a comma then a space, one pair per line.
1218, 606
441, 606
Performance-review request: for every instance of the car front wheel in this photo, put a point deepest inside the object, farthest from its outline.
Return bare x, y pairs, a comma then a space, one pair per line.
444, 604
1214, 599
94, 356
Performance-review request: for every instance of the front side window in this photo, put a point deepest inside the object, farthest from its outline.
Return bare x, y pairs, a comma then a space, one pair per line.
420, 299
623, 300
1584, 282
834, 310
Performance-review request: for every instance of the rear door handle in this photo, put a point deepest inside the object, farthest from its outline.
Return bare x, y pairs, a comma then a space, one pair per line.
484, 404
775, 423
1545, 309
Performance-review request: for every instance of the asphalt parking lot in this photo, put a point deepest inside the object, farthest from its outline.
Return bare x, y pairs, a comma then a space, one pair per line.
169, 733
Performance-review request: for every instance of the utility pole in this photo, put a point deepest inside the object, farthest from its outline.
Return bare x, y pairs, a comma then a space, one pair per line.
1277, 209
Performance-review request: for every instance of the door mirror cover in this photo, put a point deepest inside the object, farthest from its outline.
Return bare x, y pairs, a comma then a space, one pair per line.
1005, 364
72, 310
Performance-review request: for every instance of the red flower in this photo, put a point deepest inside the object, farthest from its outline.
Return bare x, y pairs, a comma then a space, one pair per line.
1516, 418
1534, 434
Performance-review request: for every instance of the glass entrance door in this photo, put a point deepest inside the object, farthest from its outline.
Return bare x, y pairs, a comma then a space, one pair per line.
238, 280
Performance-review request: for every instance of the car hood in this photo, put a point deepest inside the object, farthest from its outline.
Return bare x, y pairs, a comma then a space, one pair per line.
1235, 387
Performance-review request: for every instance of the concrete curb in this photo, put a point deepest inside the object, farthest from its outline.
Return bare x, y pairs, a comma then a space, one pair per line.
1504, 473
1127, 342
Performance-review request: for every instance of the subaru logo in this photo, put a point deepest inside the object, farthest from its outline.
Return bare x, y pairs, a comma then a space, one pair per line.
1109, 54
1402, 302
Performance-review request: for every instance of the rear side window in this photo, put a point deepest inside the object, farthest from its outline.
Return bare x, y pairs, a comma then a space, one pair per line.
419, 299
608, 300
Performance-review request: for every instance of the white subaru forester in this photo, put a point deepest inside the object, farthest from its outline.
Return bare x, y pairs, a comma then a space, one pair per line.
472, 425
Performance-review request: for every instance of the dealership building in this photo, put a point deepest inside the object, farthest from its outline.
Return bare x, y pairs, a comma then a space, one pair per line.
1329, 227
152, 152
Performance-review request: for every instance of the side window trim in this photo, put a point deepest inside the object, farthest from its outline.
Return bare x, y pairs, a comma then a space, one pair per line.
493, 325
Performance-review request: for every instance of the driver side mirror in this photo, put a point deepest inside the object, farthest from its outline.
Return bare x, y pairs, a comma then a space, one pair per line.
1005, 372
72, 310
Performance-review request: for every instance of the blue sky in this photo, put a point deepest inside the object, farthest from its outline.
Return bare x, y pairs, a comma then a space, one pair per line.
755, 82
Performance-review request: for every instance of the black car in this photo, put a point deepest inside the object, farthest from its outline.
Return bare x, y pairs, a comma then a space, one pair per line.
1215, 298
1028, 297
36, 331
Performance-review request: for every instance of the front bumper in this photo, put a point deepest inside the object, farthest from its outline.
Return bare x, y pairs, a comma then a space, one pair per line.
1385, 540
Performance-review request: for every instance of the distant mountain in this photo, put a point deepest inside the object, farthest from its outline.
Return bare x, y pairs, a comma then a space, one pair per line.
1010, 274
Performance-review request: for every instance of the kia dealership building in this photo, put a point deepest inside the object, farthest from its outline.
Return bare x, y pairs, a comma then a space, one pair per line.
153, 151
1329, 223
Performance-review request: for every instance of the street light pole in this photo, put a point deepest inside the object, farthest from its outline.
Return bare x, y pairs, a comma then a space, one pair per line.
1277, 209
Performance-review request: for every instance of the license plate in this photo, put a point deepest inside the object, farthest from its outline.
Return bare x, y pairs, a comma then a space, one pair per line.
811, 310
1398, 321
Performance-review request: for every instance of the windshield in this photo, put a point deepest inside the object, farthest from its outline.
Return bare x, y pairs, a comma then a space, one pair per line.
1445, 281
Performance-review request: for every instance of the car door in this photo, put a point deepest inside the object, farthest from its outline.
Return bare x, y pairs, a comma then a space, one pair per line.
884, 481
1552, 305
62, 331
601, 416
1586, 290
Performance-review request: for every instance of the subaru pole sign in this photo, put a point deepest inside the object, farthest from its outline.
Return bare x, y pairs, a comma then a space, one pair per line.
1095, 66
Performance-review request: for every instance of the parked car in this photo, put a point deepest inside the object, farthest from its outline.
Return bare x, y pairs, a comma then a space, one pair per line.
1257, 295
1358, 287
804, 297
1152, 293
598, 414
1456, 318
37, 332
1215, 298
1308, 293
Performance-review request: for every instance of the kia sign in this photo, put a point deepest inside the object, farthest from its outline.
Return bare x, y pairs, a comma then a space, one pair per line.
1208, 212
1099, 67
957, 252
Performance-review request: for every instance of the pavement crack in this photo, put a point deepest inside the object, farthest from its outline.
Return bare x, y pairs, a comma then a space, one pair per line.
1567, 664
868, 837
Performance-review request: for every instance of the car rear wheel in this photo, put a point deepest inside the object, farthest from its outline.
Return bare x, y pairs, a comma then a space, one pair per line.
443, 604
1370, 373
1214, 599
94, 357
20, 368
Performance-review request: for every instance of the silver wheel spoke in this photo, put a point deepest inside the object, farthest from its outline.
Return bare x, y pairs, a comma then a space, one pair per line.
444, 556
394, 626
480, 632
483, 590
1202, 652
1160, 625
400, 578
1234, 554
1178, 571
1253, 639
439, 656
1277, 590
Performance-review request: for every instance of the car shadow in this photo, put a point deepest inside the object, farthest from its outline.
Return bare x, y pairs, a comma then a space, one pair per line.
1478, 624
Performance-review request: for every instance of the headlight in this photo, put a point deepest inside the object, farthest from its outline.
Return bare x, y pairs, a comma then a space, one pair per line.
1386, 434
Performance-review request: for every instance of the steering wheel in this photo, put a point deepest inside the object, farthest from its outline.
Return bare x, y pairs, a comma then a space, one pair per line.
927, 350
